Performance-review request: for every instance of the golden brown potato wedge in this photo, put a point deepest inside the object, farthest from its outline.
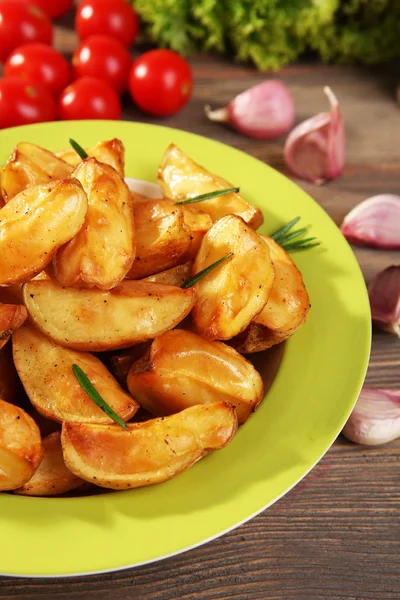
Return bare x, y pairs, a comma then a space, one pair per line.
286, 310
52, 476
35, 223
182, 369
198, 223
10, 385
12, 316
175, 276
162, 237
31, 165
94, 320
45, 369
149, 452
181, 178
102, 252
229, 297
111, 152
21, 448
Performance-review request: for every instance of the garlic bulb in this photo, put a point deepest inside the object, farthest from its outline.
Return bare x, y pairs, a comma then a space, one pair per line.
315, 149
376, 417
384, 298
264, 111
374, 222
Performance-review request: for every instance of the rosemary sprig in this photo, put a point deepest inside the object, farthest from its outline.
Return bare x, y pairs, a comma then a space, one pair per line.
94, 395
190, 282
78, 149
288, 239
208, 196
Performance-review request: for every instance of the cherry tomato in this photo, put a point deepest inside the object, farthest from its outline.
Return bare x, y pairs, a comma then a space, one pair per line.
22, 103
160, 82
103, 57
22, 23
39, 63
89, 98
115, 18
53, 8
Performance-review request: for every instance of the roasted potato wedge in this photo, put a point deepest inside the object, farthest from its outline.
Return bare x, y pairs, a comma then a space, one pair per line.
111, 152
12, 316
94, 320
45, 369
198, 223
230, 297
175, 276
21, 449
181, 178
162, 237
102, 252
10, 385
286, 310
35, 223
31, 165
52, 476
149, 452
182, 369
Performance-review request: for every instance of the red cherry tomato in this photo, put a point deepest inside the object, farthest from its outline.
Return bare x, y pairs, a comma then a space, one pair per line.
103, 57
22, 103
41, 64
160, 82
53, 8
115, 18
89, 98
22, 23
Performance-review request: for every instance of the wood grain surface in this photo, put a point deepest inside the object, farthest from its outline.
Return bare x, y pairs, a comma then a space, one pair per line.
336, 536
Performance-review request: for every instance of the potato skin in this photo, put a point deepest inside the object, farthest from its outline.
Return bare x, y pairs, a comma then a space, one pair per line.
182, 369
149, 452
34, 224
12, 316
45, 369
52, 477
181, 178
21, 449
163, 239
110, 152
231, 295
102, 252
31, 165
96, 320
286, 310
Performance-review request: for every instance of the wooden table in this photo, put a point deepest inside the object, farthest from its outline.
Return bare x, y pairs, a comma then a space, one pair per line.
336, 536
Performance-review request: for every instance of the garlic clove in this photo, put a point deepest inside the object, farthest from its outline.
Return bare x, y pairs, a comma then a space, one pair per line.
315, 149
376, 417
375, 222
264, 111
384, 298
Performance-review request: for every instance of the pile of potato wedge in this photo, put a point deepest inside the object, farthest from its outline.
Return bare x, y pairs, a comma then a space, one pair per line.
91, 274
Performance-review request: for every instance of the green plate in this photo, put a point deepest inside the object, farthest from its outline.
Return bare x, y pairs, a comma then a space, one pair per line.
320, 376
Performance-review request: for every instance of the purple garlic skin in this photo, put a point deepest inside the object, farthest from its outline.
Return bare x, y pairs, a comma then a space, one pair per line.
315, 150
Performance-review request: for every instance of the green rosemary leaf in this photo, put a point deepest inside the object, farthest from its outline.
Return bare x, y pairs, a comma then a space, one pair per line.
209, 196
297, 246
292, 236
190, 282
283, 230
78, 149
94, 395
